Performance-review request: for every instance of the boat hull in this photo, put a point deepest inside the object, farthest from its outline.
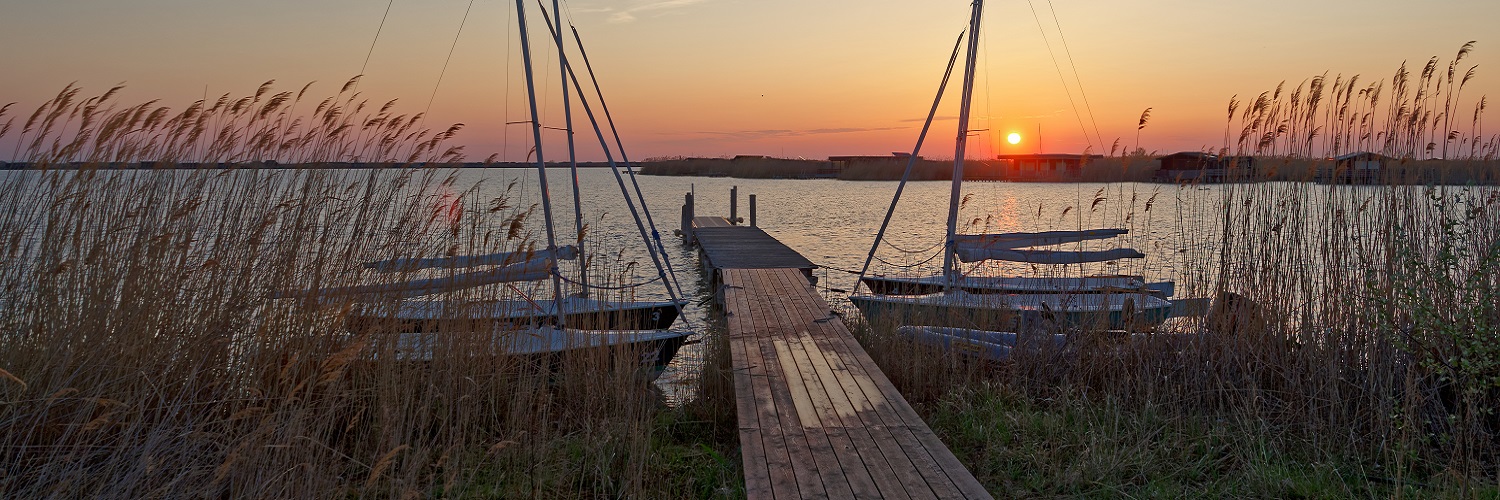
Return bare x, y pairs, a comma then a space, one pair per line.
979, 344
429, 316
1018, 312
1002, 346
922, 285
648, 353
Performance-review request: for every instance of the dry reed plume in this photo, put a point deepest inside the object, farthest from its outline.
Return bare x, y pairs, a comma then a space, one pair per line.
141, 357
1373, 338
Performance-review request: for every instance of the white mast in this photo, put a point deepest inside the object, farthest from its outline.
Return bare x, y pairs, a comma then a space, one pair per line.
950, 275
541, 166
562, 64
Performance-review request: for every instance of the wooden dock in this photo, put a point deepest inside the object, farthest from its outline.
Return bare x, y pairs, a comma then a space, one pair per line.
817, 417
726, 246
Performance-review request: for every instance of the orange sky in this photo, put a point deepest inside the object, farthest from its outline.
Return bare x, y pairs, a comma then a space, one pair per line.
776, 77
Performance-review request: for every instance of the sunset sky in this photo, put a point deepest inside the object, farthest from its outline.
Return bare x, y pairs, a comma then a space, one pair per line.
775, 77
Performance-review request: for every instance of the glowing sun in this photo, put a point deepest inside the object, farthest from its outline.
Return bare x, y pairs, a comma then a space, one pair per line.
1013, 138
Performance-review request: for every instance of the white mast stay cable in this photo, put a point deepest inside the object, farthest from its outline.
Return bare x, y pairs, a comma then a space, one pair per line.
910, 163
563, 69
629, 203
541, 165
961, 141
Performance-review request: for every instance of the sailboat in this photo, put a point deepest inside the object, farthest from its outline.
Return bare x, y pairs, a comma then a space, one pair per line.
998, 303
528, 327
577, 311
1009, 247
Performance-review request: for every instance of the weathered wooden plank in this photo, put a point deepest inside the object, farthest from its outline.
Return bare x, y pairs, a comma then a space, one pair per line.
809, 483
944, 473
812, 396
912, 463
739, 247
830, 413
830, 416
827, 422
709, 221
900, 473
888, 462
782, 480
752, 447
823, 456
936, 451
753, 452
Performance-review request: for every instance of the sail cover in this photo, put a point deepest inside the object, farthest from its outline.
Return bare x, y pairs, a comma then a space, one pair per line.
1022, 240
531, 270
460, 261
976, 254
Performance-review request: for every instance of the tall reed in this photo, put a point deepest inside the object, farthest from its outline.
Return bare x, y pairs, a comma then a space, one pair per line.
1368, 318
142, 357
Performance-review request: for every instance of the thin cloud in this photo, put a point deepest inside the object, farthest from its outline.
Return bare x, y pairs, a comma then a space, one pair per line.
977, 117
935, 118
629, 14
779, 133
590, 10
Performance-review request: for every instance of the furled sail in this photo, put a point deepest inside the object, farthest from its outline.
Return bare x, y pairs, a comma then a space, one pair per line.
531, 270
460, 261
977, 254
1022, 240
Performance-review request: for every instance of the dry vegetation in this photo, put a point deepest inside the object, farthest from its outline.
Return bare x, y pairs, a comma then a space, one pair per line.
140, 357
1368, 363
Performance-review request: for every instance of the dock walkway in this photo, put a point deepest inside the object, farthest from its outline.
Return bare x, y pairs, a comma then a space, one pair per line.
727, 246
817, 417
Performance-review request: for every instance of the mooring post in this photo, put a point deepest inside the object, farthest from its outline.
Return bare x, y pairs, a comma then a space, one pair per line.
752, 211
734, 205
687, 218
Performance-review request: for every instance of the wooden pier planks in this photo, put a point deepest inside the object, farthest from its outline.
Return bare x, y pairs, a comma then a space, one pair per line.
699, 222
817, 418
726, 246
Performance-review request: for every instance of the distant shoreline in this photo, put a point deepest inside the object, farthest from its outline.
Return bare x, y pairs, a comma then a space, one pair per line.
1094, 170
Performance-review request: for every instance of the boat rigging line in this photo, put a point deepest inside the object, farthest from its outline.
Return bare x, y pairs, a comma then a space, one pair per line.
1061, 78
625, 158
563, 68
911, 161
1069, 53
961, 142
449, 59
657, 258
541, 165
371, 52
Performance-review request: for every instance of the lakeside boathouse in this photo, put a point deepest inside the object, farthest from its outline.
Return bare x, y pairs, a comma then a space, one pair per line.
1196, 166
1357, 168
1043, 167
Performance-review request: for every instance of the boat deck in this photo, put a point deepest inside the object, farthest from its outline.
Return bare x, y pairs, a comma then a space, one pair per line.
817, 417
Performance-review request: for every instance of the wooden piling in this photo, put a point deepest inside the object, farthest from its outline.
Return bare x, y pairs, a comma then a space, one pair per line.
687, 218
734, 205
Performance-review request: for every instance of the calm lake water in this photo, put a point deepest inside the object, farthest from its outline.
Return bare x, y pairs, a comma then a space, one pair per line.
834, 222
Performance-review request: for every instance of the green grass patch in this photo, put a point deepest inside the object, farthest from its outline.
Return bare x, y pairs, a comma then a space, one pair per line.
1085, 448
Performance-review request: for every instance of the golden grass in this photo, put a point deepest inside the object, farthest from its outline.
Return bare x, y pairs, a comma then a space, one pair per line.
141, 356
1373, 340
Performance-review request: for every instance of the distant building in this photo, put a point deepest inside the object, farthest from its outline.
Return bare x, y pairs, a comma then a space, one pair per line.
858, 159
838, 164
1042, 167
1357, 168
1197, 166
